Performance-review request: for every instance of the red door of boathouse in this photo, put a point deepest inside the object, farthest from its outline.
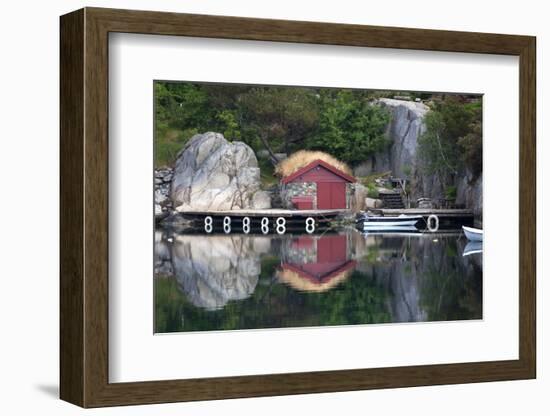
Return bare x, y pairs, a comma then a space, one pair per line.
331, 195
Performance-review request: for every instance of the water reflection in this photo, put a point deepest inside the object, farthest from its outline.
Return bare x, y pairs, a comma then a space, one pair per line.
315, 263
237, 281
212, 271
473, 247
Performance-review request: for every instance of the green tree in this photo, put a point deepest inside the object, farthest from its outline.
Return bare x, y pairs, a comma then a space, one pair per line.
230, 127
452, 139
190, 106
281, 117
350, 127
472, 144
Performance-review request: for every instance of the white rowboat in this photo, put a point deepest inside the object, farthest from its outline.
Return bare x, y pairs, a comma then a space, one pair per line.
473, 234
400, 221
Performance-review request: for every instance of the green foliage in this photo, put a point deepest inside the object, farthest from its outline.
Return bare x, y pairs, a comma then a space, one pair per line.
180, 105
437, 146
452, 139
267, 173
372, 191
168, 145
350, 127
181, 109
278, 119
231, 129
472, 144
341, 122
281, 117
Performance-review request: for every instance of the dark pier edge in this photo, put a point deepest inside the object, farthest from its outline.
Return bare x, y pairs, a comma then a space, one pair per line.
84, 351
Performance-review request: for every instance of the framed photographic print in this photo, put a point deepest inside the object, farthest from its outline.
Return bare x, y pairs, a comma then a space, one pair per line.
255, 207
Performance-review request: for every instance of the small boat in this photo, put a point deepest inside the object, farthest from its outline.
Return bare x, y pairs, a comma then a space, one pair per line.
473, 247
473, 234
381, 221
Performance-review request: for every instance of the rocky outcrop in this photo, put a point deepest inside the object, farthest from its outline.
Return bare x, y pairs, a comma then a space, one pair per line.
373, 203
358, 197
405, 128
211, 173
402, 159
469, 192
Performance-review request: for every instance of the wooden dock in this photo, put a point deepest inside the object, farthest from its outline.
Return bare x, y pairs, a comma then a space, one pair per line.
446, 218
281, 220
266, 220
288, 214
426, 212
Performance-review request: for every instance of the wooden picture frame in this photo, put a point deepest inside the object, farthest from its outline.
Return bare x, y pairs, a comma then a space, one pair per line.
84, 207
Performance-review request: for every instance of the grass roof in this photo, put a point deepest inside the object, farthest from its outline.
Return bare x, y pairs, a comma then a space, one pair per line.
303, 158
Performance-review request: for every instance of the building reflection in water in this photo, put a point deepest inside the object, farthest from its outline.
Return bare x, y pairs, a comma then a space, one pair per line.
316, 263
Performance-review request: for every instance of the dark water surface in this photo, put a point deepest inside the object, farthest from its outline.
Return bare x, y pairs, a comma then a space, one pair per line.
237, 281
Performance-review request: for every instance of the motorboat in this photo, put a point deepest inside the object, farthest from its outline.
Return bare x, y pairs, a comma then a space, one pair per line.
473, 234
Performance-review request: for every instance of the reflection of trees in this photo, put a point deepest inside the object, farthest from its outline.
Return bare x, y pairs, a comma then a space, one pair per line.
274, 305
169, 305
451, 286
408, 279
426, 276
359, 301
450, 295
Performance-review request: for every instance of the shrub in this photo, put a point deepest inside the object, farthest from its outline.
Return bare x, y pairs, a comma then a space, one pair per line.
372, 192
169, 143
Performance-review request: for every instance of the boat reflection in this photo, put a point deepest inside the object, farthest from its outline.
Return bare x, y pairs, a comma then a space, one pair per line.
392, 230
473, 247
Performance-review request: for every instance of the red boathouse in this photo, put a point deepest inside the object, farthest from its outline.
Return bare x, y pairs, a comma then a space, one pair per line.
329, 190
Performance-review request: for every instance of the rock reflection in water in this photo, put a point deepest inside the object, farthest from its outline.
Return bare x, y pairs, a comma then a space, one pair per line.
215, 270
237, 281
427, 277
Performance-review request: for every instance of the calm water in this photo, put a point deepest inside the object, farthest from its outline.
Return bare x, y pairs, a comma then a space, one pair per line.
237, 281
